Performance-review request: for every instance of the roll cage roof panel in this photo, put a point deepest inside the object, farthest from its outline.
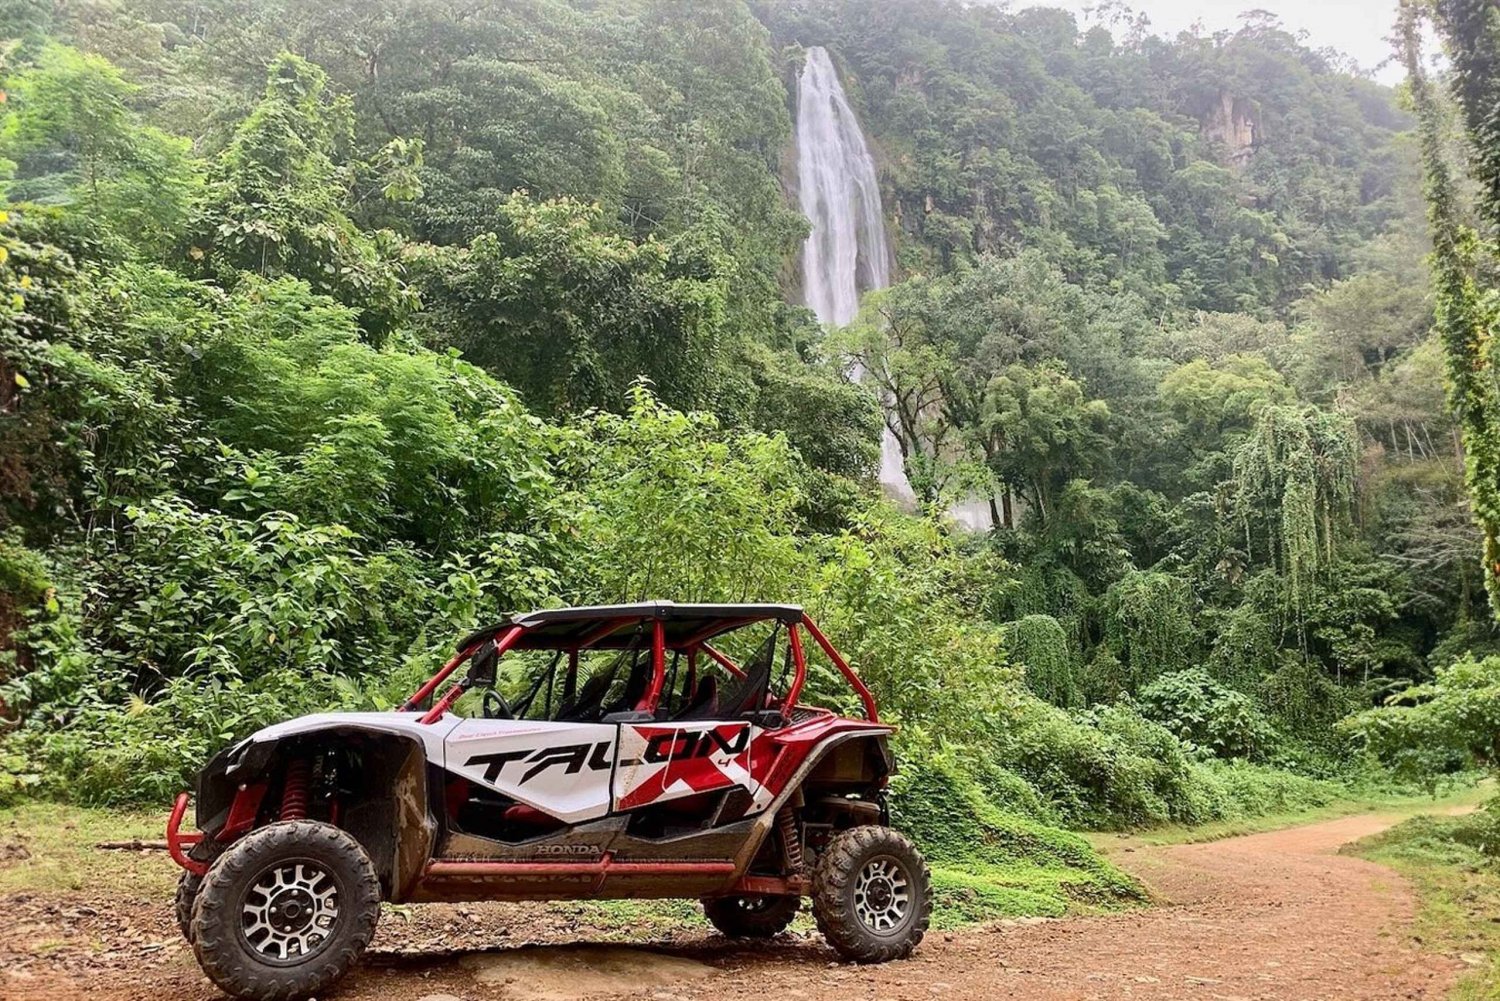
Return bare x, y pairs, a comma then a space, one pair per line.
665, 625
682, 625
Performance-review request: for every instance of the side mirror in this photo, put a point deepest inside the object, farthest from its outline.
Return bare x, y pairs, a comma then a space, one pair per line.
482, 669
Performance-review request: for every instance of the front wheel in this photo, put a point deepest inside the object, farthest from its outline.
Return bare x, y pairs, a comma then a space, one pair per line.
872, 894
751, 916
285, 911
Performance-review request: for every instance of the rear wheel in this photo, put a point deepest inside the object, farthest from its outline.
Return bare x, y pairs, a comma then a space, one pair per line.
872, 894
751, 916
188, 885
285, 911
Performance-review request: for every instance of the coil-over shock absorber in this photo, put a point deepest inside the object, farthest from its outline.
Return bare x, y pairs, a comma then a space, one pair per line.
294, 793
791, 840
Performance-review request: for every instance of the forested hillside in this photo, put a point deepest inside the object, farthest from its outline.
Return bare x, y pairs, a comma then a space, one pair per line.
334, 329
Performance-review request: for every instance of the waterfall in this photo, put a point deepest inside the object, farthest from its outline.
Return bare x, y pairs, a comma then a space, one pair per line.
847, 251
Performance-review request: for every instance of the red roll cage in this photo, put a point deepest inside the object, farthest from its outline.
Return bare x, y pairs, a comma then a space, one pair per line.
683, 629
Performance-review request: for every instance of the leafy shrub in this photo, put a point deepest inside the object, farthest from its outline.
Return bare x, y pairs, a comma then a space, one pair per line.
1240, 790
24, 576
1244, 648
1205, 714
1108, 768
987, 862
1307, 704
1431, 729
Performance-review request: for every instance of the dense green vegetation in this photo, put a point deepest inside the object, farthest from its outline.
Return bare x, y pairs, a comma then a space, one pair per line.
1427, 730
331, 330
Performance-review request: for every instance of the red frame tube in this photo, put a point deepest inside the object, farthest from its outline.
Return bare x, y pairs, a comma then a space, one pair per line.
243, 811
456, 692
179, 843
652, 697
433, 682
603, 632
796, 886
723, 661
605, 866
799, 660
865, 697
709, 633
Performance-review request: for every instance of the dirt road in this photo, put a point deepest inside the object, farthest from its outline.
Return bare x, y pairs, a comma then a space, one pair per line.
1269, 917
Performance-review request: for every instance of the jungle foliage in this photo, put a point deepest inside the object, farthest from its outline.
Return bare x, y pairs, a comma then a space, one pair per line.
329, 330
1449, 721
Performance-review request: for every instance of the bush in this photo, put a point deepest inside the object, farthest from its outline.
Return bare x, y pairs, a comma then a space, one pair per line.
1208, 716
1429, 730
988, 862
1149, 624
1105, 769
1239, 790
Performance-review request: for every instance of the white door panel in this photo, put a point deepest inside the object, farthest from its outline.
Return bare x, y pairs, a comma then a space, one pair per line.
562, 769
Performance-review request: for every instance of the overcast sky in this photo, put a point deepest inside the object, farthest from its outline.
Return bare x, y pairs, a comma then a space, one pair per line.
1357, 27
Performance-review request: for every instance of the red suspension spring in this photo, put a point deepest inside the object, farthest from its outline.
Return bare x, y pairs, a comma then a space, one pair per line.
791, 840
294, 791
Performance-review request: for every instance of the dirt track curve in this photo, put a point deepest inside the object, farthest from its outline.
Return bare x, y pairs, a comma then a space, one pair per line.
1268, 917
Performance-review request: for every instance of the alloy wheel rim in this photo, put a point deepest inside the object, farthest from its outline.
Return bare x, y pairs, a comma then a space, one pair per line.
290, 912
882, 895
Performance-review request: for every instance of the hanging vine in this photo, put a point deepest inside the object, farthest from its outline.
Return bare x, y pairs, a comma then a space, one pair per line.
1466, 313
1294, 481
1040, 644
1149, 624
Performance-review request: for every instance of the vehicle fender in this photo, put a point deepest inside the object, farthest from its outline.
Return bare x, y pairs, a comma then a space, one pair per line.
391, 816
765, 821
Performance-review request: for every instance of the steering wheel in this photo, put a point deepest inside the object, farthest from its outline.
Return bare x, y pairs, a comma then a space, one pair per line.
495, 706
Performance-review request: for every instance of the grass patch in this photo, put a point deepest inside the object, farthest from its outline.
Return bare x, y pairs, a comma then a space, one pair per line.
629, 919
49, 848
1394, 803
1452, 862
989, 864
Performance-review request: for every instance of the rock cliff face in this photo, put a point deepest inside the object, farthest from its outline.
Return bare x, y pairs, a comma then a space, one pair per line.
1231, 123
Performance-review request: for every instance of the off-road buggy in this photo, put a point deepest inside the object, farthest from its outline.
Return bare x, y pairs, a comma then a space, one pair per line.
622, 752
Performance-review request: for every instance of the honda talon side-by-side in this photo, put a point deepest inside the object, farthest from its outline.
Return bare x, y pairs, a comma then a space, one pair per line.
644, 750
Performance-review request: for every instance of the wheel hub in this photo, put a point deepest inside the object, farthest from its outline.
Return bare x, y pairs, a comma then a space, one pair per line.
290, 912
882, 894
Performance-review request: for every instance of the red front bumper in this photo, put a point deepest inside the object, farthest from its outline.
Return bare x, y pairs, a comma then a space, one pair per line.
178, 844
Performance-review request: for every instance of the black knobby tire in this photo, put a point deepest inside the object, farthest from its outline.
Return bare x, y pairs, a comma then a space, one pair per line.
752, 916
872, 894
327, 894
189, 883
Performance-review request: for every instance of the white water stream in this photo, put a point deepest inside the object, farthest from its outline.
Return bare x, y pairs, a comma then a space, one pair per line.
847, 251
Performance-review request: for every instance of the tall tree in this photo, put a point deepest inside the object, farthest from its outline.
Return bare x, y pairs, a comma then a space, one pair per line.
279, 200
1466, 315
